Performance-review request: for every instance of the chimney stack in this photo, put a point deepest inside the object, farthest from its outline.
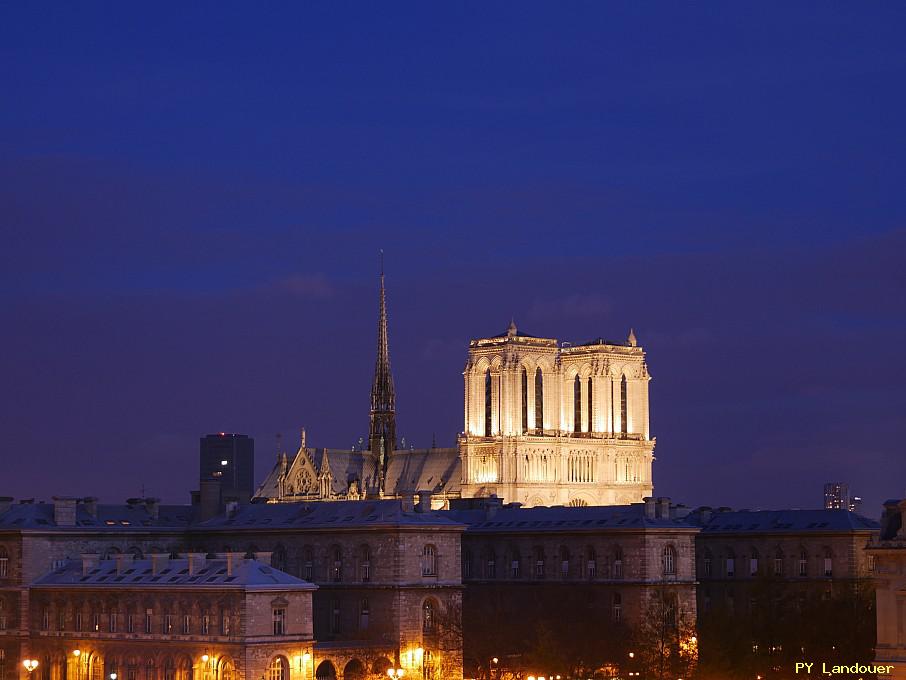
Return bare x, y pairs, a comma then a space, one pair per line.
89, 562
91, 505
64, 511
152, 505
5, 503
663, 504
196, 562
123, 562
159, 561
424, 502
649, 507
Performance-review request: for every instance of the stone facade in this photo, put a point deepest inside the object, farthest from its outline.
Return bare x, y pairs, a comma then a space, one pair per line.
888, 555
556, 424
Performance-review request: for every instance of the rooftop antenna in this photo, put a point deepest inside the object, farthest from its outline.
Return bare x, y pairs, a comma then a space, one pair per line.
382, 261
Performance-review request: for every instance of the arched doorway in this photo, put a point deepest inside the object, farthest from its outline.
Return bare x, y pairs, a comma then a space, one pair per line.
326, 671
354, 670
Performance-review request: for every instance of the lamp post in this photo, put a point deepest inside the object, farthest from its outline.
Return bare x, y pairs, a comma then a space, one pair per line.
30, 665
395, 673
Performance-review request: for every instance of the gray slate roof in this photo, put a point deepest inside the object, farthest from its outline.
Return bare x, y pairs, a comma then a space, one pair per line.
563, 518
247, 574
786, 521
109, 517
327, 515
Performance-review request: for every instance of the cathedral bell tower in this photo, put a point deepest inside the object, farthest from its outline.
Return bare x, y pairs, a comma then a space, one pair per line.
382, 433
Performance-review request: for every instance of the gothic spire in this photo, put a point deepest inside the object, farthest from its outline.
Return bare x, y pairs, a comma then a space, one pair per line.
383, 417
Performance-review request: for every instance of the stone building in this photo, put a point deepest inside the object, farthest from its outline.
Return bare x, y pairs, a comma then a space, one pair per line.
556, 424
887, 553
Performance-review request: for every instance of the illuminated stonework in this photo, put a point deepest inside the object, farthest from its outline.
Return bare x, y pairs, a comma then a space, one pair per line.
556, 424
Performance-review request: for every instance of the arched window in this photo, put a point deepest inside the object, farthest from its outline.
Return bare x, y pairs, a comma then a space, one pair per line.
277, 670
669, 560
577, 404
365, 564
539, 400
227, 669
487, 403
623, 425
524, 400
590, 409
336, 571
429, 561
617, 608
428, 616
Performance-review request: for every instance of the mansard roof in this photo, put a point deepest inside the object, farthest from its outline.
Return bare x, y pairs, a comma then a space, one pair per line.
511, 518
784, 521
127, 517
334, 516
247, 574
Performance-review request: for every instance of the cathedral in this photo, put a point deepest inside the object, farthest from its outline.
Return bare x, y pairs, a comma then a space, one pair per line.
545, 423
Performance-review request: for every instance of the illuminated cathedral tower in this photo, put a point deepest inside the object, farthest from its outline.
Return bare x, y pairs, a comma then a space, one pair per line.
552, 424
382, 433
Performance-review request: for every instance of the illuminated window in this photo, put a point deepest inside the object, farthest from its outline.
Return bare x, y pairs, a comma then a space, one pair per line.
487, 403
669, 561
524, 401
278, 669
279, 620
623, 424
539, 400
428, 616
577, 405
429, 561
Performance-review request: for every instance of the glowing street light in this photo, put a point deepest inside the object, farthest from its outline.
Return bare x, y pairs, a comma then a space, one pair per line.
30, 665
395, 673
113, 676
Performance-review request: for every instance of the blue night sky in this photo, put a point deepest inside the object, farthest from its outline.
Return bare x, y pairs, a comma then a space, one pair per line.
192, 200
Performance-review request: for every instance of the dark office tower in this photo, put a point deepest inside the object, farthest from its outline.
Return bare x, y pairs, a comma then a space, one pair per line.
229, 458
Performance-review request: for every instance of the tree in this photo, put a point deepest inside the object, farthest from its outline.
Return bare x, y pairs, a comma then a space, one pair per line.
665, 640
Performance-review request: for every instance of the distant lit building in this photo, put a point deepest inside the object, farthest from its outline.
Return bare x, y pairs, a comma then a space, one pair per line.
230, 459
836, 496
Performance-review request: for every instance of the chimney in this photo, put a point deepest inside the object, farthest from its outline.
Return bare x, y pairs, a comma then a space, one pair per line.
705, 513
64, 511
196, 562
424, 501
123, 562
159, 561
407, 502
663, 506
263, 557
890, 520
152, 505
649, 507
210, 498
91, 505
233, 560
491, 505
5, 503
89, 562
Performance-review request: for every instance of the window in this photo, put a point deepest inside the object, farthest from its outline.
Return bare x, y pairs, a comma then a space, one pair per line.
487, 403
778, 563
167, 624
308, 563
148, 617
364, 614
4, 563
515, 566
277, 669
428, 616
577, 405
466, 564
149, 670
618, 563
828, 563
706, 565
224, 622
205, 623
731, 567
111, 622
753, 564
591, 564
871, 563
78, 621
279, 621
590, 419
429, 561
335, 616
365, 566
539, 563
491, 566
337, 570
130, 623
539, 400
564, 563
186, 624
617, 610
524, 401
96, 622
61, 621
623, 425
669, 559
803, 563
45, 619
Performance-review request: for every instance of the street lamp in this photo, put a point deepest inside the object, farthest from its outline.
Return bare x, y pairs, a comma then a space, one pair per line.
395, 673
30, 665
113, 676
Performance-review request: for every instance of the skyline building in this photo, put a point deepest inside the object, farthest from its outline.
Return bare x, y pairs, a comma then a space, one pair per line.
230, 459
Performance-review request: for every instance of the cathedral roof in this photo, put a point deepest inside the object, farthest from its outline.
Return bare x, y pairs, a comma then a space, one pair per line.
174, 573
